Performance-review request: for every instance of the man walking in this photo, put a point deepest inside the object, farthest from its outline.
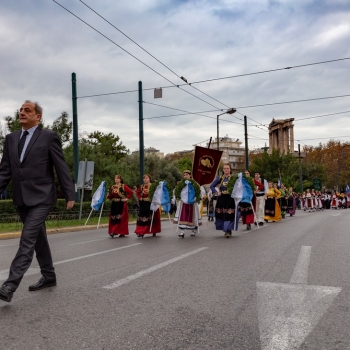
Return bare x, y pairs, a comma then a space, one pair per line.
29, 159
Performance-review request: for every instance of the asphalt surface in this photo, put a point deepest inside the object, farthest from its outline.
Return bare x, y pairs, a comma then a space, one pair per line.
283, 286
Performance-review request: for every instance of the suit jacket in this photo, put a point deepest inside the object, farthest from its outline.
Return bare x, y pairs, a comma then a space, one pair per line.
33, 179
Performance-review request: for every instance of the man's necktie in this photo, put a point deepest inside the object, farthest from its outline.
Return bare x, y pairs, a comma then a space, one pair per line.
22, 142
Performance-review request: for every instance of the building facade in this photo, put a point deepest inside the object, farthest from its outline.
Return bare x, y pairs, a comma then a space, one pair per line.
232, 152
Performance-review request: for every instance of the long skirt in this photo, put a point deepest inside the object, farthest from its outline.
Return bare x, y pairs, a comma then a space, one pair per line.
283, 205
118, 219
210, 209
143, 223
187, 216
225, 213
247, 213
272, 210
291, 206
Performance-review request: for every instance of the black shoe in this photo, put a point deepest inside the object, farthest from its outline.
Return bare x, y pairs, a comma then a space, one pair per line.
249, 227
255, 223
6, 293
261, 223
42, 283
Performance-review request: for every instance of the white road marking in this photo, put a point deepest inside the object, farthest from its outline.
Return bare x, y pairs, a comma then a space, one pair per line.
7, 245
151, 269
31, 271
288, 312
301, 270
94, 254
94, 240
336, 214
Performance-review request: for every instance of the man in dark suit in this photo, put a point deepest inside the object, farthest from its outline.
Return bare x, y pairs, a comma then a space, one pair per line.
29, 159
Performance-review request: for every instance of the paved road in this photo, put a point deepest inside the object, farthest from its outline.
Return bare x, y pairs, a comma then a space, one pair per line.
284, 286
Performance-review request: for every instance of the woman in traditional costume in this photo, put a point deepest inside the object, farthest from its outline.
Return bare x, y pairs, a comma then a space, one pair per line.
225, 205
119, 194
144, 219
187, 215
283, 200
291, 202
246, 209
272, 208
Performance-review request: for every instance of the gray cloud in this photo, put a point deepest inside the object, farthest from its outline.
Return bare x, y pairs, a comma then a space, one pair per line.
42, 45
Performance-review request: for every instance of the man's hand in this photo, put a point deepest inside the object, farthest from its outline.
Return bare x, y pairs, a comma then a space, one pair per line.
70, 204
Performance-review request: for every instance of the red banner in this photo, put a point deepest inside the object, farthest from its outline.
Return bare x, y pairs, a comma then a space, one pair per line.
205, 165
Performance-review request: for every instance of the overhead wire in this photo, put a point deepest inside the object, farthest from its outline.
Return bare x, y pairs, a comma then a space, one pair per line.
202, 81
164, 65
129, 53
186, 113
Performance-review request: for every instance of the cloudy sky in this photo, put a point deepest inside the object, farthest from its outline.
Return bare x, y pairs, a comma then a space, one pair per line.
41, 44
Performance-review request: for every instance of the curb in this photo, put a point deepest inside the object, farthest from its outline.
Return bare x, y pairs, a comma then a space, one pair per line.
51, 231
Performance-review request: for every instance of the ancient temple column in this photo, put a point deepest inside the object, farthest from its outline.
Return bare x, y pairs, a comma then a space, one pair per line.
291, 130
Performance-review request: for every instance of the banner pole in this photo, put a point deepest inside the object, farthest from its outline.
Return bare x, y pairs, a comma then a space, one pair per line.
99, 219
88, 217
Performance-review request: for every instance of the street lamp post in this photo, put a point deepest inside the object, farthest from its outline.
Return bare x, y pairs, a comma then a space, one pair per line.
229, 111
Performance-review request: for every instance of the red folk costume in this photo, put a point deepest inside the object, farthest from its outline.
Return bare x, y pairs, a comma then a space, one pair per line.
119, 215
144, 218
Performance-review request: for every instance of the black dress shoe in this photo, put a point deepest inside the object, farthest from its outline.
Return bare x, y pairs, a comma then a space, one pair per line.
42, 283
6, 293
261, 223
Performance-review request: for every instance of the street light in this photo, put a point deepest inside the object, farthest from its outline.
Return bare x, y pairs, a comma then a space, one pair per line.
229, 111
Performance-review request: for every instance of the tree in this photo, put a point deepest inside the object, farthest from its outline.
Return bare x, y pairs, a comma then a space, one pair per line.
63, 127
184, 163
106, 145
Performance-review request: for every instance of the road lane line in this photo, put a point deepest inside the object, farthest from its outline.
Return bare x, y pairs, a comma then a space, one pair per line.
301, 269
151, 269
32, 271
7, 245
94, 254
94, 240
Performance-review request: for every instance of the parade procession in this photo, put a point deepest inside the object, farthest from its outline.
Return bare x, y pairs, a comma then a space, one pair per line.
232, 200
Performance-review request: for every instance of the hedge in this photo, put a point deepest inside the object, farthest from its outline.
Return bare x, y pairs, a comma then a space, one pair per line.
7, 206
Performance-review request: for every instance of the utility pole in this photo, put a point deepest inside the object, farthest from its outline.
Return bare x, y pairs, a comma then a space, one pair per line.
300, 171
75, 134
142, 148
246, 143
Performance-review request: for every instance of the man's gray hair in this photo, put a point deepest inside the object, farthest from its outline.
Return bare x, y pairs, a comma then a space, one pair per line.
37, 107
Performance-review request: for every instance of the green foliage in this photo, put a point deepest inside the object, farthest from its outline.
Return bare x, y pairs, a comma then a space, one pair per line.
184, 163
154, 186
182, 184
158, 168
234, 178
106, 145
63, 127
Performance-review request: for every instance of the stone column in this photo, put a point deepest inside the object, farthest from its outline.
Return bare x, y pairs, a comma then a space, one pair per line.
291, 129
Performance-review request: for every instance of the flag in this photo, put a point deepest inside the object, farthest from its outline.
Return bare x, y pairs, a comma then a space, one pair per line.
347, 188
279, 183
205, 165
188, 194
99, 196
161, 197
242, 191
